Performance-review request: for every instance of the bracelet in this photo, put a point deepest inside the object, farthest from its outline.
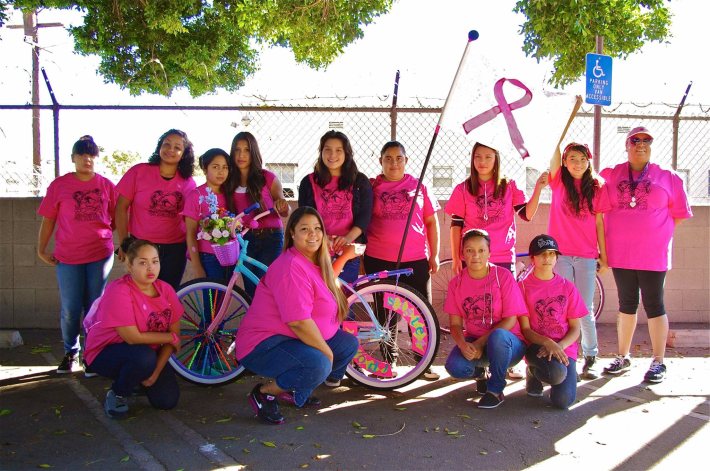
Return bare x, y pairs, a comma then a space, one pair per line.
176, 339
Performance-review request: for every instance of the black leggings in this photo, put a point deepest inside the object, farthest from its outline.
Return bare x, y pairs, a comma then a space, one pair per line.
173, 258
650, 283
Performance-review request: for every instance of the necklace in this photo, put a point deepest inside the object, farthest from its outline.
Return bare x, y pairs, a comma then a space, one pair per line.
634, 183
485, 201
487, 301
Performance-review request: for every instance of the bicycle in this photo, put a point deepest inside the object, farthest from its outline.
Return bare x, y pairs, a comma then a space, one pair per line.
385, 315
440, 285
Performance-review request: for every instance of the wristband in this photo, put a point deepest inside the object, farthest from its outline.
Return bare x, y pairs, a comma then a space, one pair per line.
176, 339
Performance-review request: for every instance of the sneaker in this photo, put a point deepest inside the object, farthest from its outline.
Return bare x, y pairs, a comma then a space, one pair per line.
656, 373
481, 375
331, 382
533, 386
87, 373
429, 375
589, 370
286, 397
265, 406
514, 373
619, 365
490, 401
69, 364
116, 406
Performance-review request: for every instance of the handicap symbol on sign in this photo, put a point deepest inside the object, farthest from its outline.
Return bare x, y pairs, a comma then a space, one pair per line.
597, 71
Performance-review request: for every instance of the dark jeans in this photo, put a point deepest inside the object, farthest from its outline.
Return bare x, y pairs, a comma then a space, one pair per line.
128, 365
298, 367
173, 258
265, 247
563, 379
351, 270
213, 269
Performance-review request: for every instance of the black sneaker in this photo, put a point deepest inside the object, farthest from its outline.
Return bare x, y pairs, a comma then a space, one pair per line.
69, 364
286, 397
87, 372
656, 373
619, 365
265, 406
490, 401
589, 370
115, 406
481, 375
533, 386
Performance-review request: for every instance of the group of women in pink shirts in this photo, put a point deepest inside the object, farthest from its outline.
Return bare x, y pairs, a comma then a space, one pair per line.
156, 207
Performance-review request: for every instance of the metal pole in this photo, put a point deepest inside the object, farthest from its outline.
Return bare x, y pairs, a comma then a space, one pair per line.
598, 119
676, 125
393, 112
55, 119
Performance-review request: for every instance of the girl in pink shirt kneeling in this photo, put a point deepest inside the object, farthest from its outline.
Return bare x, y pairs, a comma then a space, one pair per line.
132, 330
291, 332
551, 325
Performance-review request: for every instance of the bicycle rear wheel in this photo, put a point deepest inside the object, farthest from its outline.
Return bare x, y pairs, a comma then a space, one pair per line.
439, 287
398, 334
599, 297
208, 359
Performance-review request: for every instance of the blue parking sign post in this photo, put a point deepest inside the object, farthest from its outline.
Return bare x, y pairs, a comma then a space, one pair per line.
598, 78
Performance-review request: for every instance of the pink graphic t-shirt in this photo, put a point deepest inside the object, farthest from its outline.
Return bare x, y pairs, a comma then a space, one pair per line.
197, 211
123, 304
639, 227
495, 215
335, 206
243, 201
550, 304
82, 211
391, 203
576, 234
485, 302
156, 203
292, 290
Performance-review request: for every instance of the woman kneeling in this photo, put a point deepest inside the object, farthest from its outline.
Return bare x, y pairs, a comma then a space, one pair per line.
132, 331
291, 332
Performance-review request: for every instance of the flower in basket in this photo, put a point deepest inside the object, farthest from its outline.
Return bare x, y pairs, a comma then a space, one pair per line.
220, 226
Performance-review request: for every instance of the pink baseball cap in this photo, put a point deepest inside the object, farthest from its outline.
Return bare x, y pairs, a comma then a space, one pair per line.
638, 130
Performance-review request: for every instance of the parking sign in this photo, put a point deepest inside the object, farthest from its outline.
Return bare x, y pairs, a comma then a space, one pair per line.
598, 80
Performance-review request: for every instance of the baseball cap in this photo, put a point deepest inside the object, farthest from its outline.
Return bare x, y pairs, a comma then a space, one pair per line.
638, 130
542, 243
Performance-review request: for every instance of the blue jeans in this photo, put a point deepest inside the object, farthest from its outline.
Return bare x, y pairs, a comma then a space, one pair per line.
503, 350
213, 269
582, 272
563, 379
298, 367
128, 365
265, 247
351, 270
79, 286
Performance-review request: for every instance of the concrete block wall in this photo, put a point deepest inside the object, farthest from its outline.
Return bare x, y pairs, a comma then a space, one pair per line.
29, 297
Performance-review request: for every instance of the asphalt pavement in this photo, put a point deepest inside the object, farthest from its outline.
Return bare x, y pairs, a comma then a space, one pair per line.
57, 421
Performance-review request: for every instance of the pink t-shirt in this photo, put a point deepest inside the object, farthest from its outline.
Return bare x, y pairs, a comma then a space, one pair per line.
156, 203
391, 203
123, 304
243, 201
292, 290
193, 209
549, 304
335, 206
82, 211
576, 234
495, 215
639, 227
485, 302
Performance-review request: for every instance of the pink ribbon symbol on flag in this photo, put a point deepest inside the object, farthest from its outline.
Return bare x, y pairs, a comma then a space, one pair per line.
507, 110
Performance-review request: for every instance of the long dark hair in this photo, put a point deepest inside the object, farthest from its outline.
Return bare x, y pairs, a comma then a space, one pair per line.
348, 172
85, 145
255, 177
499, 183
205, 160
186, 166
590, 181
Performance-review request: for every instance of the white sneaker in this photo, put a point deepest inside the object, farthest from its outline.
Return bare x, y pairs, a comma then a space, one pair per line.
515, 373
332, 383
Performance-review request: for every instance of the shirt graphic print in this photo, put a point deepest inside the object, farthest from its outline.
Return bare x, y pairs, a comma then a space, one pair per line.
88, 205
166, 204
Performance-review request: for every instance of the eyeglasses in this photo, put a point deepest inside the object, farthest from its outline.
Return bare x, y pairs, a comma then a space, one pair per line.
637, 140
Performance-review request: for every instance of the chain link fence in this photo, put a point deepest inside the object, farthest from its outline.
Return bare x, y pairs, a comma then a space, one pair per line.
289, 136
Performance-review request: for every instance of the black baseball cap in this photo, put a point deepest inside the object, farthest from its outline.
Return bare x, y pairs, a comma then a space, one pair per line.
542, 243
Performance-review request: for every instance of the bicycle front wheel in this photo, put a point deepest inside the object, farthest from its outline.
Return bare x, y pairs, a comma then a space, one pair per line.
209, 359
398, 334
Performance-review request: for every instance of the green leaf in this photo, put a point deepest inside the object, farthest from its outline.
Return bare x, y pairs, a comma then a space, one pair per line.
368, 436
125, 459
246, 450
5, 412
268, 444
300, 427
44, 465
400, 408
224, 420
230, 437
